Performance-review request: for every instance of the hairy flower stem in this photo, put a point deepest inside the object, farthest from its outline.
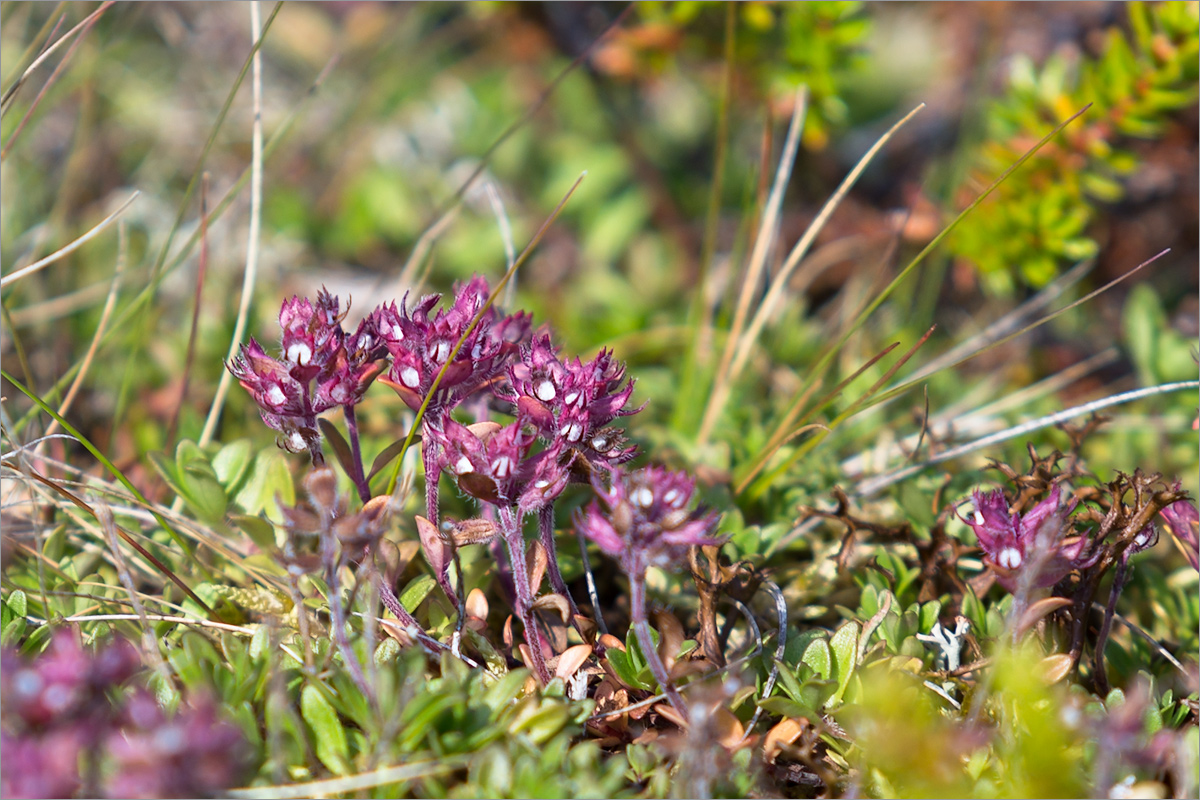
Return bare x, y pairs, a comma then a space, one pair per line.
359, 478
510, 529
429, 460
637, 604
546, 532
337, 613
407, 621
1100, 677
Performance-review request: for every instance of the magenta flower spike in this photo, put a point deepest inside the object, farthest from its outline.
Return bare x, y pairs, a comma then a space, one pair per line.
1011, 543
319, 368
646, 522
421, 345
1184, 521
571, 402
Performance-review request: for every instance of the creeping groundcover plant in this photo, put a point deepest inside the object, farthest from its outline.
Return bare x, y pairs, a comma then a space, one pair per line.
736, 495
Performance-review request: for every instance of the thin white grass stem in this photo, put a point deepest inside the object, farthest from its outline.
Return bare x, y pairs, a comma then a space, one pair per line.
104, 516
870, 487
109, 304
746, 344
59, 306
351, 783
49, 51
506, 236
203, 623
252, 236
1005, 324
71, 248
767, 231
982, 420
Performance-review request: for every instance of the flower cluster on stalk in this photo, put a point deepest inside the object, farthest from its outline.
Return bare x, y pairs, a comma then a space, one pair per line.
319, 367
462, 360
1013, 544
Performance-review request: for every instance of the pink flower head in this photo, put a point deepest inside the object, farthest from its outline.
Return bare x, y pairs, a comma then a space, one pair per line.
645, 518
420, 346
493, 464
570, 402
319, 368
312, 334
1011, 542
1184, 521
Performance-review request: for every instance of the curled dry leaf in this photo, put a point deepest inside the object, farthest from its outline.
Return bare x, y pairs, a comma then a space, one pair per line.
484, 430
556, 602
670, 636
665, 711
726, 728
571, 660
786, 731
1053, 669
472, 531
538, 560
439, 549
610, 642
477, 604
1039, 610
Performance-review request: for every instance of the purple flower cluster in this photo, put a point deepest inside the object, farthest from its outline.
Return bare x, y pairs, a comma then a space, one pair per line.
320, 367
1015, 543
1184, 522
645, 520
470, 357
420, 346
57, 714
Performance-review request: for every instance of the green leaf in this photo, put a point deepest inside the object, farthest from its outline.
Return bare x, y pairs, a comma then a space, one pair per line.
197, 483
1142, 321
13, 631
269, 479
386, 456
17, 603
416, 592
232, 462
929, 615
844, 644
784, 707
329, 737
619, 661
818, 657
260, 531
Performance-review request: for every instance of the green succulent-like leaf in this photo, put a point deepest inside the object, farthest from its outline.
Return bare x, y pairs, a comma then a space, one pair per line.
329, 737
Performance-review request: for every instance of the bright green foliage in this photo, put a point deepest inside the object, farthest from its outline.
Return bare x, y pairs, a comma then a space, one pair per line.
1038, 220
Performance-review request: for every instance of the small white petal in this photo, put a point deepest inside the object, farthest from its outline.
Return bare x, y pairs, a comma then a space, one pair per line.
502, 466
571, 397
296, 442
299, 353
978, 517
671, 497
365, 341
542, 484
643, 496
410, 378
397, 332
441, 352
1010, 558
545, 391
463, 466
339, 394
275, 396
599, 444
573, 432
